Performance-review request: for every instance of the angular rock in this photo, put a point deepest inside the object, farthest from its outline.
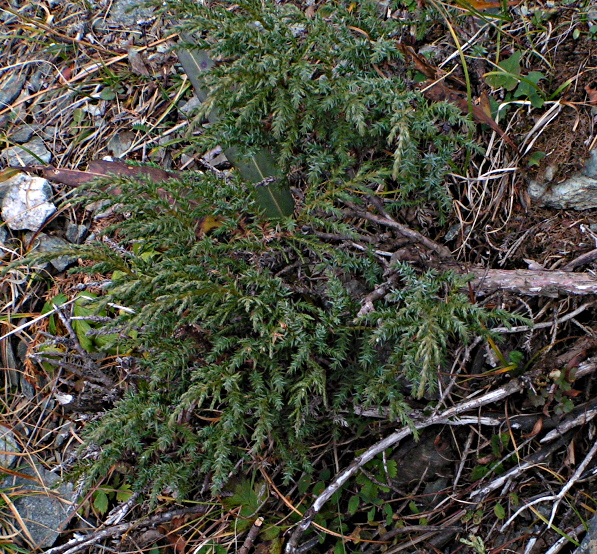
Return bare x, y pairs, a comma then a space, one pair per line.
76, 233
23, 133
45, 507
26, 202
10, 88
578, 192
47, 243
127, 13
33, 152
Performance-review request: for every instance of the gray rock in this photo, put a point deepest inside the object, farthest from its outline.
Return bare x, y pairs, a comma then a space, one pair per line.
590, 168
10, 88
23, 133
127, 13
8, 447
75, 233
43, 74
120, 143
578, 192
33, 152
47, 243
26, 202
589, 543
43, 511
189, 107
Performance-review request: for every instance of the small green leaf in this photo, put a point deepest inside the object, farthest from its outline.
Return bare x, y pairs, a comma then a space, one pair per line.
353, 504
318, 488
271, 532
508, 74
108, 94
499, 511
389, 512
339, 548
124, 493
478, 517
479, 472
371, 514
100, 501
325, 474
535, 158
392, 467
303, 483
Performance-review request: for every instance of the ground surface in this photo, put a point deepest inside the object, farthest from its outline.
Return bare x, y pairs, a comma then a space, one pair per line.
90, 80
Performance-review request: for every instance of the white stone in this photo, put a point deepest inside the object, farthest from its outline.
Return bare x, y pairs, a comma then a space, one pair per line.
25, 202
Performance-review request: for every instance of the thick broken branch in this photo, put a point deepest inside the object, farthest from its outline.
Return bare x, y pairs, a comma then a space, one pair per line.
533, 282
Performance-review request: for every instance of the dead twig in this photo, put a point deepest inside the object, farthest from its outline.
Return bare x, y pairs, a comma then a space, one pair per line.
443, 252
79, 544
510, 388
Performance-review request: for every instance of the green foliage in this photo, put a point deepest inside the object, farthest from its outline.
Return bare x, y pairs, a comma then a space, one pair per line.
246, 336
509, 76
417, 325
310, 91
245, 332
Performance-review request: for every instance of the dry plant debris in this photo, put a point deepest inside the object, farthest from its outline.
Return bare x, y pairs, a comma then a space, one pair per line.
518, 456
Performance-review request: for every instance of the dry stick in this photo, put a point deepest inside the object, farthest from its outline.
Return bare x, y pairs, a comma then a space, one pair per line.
589, 411
254, 531
586, 367
494, 396
583, 259
533, 282
544, 325
415, 236
557, 497
95, 372
531, 461
76, 545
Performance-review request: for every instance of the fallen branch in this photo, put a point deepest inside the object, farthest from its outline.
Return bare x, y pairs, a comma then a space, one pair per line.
81, 543
532, 282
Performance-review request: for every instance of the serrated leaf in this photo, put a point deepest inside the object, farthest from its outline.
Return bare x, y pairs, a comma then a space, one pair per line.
100, 501
124, 493
392, 468
479, 472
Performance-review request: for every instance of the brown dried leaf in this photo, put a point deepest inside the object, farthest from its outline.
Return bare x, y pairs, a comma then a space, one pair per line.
439, 91
420, 63
536, 429
99, 168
